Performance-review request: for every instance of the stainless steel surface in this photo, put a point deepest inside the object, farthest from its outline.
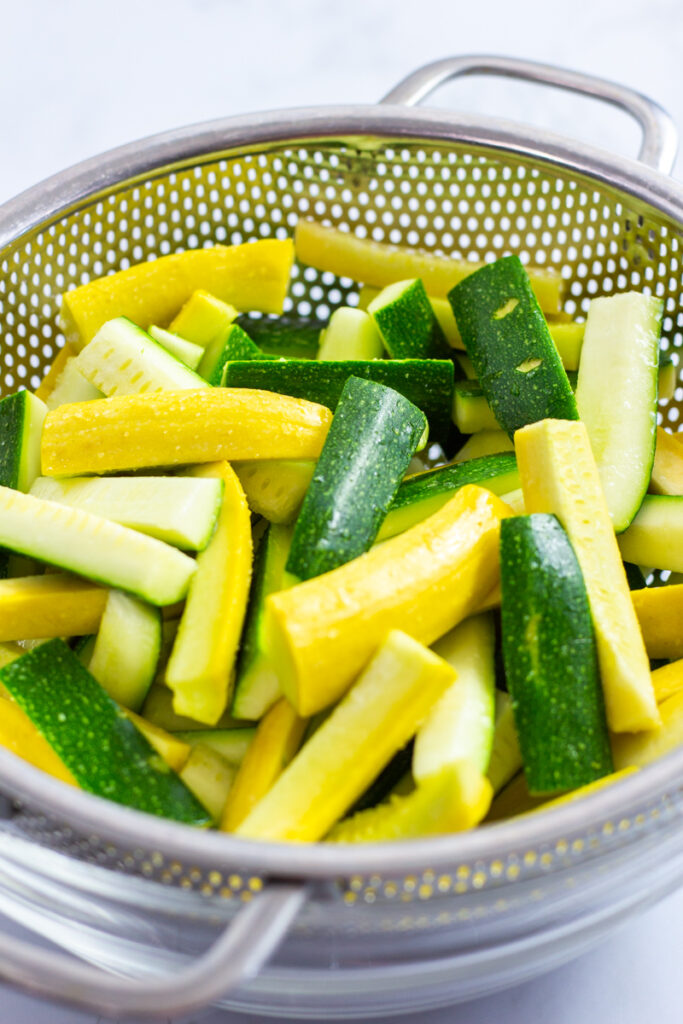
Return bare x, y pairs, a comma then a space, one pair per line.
475, 189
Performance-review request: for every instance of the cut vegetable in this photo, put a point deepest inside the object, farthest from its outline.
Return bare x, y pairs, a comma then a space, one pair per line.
460, 725
201, 663
35, 607
427, 383
19, 734
94, 739
655, 537
21, 423
231, 744
256, 682
508, 341
321, 633
406, 322
210, 778
126, 651
559, 476
373, 436
621, 345
70, 387
179, 428
454, 799
640, 750
289, 337
276, 742
350, 334
173, 750
380, 264
396, 775
93, 547
251, 276
158, 709
550, 655
667, 378
668, 680
122, 359
486, 442
179, 510
660, 613
385, 707
471, 410
203, 319
506, 757
235, 344
47, 384
188, 353
275, 488
667, 471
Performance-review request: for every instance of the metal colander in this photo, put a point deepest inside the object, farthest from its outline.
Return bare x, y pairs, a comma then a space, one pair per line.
463, 911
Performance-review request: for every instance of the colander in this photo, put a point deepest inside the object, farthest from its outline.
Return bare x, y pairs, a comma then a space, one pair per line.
160, 920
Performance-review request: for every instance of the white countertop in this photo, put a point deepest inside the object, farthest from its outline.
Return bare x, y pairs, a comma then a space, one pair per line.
78, 77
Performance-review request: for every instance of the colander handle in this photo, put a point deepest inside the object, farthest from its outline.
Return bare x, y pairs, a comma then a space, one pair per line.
660, 137
237, 955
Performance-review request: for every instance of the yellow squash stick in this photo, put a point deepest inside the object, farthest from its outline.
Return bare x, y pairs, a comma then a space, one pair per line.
47, 384
19, 734
380, 264
667, 471
382, 711
323, 632
275, 488
175, 752
32, 607
668, 680
253, 276
171, 428
201, 662
277, 740
559, 476
660, 614
646, 747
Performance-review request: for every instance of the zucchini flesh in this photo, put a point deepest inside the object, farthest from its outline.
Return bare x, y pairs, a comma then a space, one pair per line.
550, 656
460, 725
278, 737
178, 510
289, 337
655, 537
35, 607
256, 682
203, 319
158, 710
209, 777
621, 346
485, 442
122, 359
421, 495
427, 383
406, 322
667, 471
71, 386
559, 476
184, 350
659, 611
179, 428
275, 488
381, 264
126, 651
350, 334
22, 416
508, 341
251, 276
453, 799
231, 744
373, 436
93, 547
93, 737
199, 671
506, 757
351, 747
322, 632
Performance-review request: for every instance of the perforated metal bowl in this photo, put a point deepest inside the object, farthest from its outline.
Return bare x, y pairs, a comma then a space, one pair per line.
372, 929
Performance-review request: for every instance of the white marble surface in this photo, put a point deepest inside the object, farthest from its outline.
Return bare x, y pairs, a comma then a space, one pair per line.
80, 76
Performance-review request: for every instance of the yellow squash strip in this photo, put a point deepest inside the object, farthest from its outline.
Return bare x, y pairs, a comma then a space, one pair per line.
171, 428
174, 751
559, 476
380, 264
667, 472
200, 667
323, 632
202, 317
647, 747
277, 739
454, 799
514, 799
158, 710
253, 276
382, 711
47, 384
19, 734
591, 787
668, 680
275, 488
660, 614
34, 607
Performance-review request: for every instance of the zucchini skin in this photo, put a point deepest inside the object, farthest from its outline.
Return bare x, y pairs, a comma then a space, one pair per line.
550, 657
236, 345
427, 383
294, 337
100, 746
407, 323
500, 342
373, 435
